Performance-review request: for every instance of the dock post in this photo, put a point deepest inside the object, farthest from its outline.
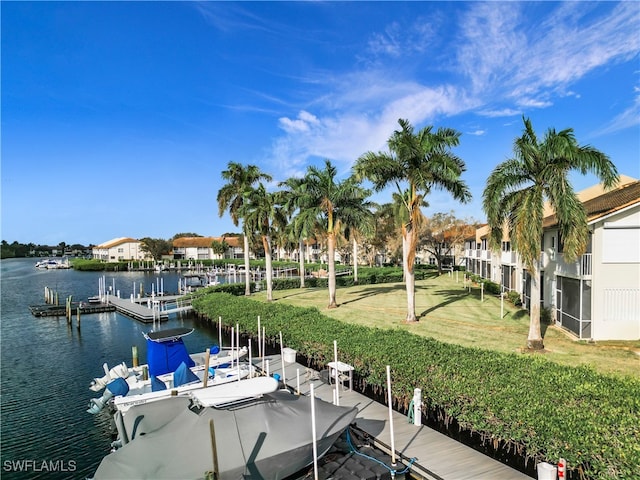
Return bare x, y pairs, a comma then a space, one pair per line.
417, 406
78, 315
205, 376
134, 355
389, 400
214, 449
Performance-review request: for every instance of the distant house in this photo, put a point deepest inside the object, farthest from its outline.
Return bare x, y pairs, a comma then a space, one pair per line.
119, 249
199, 248
598, 296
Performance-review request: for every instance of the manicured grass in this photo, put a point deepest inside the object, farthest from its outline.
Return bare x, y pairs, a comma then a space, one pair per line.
451, 314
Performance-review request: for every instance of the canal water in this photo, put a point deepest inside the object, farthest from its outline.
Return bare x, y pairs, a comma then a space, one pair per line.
46, 366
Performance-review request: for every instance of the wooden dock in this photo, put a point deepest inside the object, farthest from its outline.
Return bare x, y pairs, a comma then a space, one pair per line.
138, 311
61, 310
438, 457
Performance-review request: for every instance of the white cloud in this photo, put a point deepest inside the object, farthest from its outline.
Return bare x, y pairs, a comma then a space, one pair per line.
627, 119
478, 132
505, 112
504, 57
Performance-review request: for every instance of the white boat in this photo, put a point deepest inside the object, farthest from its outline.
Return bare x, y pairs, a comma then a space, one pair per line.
190, 282
167, 357
270, 438
53, 264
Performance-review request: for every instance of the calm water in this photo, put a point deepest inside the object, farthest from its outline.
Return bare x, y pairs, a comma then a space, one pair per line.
46, 366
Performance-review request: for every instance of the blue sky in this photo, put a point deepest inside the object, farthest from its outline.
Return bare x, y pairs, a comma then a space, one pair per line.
118, 117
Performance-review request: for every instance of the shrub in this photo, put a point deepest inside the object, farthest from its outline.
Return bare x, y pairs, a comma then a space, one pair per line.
514, 298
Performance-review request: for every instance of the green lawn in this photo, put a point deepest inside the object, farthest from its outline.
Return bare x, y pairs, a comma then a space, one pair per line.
449, 313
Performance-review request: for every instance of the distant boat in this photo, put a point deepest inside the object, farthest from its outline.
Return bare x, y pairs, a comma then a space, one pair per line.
190, 282
53, 264
270, 438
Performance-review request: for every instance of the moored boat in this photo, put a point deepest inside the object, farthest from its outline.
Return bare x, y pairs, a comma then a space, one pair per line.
270, 437
170, 368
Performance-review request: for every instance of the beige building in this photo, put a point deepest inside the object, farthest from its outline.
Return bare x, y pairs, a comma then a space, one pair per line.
119, 249
598, 296
199, 248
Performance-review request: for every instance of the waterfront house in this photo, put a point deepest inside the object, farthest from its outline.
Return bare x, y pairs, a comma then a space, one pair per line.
598, 296
119, 249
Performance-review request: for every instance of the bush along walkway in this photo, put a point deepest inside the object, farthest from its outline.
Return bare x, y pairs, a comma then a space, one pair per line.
524, 404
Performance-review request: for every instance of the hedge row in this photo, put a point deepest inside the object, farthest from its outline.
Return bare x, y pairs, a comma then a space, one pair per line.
540, 409
367, 276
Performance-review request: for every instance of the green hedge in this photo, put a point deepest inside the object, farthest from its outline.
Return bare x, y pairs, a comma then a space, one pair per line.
523, 403
366, 276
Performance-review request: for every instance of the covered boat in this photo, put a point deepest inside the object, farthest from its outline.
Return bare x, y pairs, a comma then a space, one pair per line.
169, 367
269, 438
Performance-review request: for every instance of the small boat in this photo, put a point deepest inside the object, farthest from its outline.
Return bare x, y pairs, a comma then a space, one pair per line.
167, 356
270, 437
53, 264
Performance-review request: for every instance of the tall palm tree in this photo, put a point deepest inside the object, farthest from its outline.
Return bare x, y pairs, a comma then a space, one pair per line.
330, 203
262, 215
232, 196
359, 223
415, 163
303, 221
516, 192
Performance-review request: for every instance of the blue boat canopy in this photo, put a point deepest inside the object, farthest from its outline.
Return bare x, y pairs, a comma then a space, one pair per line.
165, 357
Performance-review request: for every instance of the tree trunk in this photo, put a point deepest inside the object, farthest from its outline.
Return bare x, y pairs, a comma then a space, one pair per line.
301, 259
247, 266
534, 341
409, 277
266, 243
331, 261
355, 261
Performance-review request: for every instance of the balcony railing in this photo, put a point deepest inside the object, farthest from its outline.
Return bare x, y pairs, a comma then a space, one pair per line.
582, 268
508, 258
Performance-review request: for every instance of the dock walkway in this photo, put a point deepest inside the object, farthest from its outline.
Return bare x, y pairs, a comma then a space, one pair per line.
139, 307
438, 457
138, 311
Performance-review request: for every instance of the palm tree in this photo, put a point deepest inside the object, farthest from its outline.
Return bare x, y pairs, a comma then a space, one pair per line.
232, 196
261, 214
331, 203
516, 192
359, 223
419, 162
303, 222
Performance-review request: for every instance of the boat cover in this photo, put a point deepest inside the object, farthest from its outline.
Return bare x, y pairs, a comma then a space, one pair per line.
270, 438
165, 357
184, 375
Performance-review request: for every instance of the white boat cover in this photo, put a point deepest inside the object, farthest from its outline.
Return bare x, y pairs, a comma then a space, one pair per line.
270, 438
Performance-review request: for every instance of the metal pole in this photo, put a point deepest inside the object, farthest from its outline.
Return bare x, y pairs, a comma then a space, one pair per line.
393, 446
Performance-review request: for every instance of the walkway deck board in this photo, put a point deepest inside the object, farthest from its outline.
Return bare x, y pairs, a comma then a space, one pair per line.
438, 457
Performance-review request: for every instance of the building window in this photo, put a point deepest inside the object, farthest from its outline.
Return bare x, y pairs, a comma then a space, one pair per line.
506, 246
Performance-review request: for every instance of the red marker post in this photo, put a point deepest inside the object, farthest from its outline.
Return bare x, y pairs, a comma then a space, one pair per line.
562, 465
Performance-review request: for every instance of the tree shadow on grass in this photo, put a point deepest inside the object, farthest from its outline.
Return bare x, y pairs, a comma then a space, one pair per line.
449, 296
371, 292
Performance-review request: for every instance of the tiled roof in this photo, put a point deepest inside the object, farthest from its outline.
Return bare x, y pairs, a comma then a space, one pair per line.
606, 203
201, 242
205, 242
116, 241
